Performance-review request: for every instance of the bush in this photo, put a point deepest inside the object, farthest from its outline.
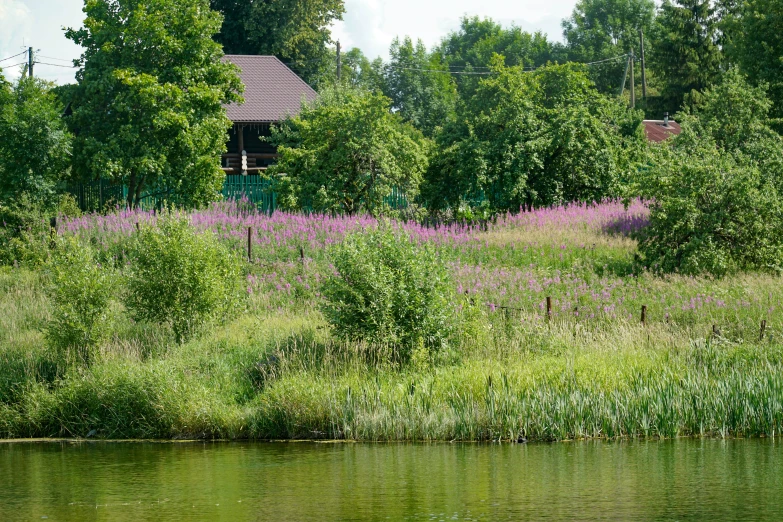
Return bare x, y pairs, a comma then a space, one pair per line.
180, 277
710, 214
388, 289
81, 290
24, 232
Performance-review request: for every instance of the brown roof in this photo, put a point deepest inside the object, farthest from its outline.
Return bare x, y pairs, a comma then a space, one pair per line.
272, 90
657, 131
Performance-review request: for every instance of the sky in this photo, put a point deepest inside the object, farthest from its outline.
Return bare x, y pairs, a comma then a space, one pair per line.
368, 24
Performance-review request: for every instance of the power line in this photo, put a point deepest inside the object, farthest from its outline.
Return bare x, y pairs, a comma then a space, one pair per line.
55, 59
14, 56
57, 65
16, 64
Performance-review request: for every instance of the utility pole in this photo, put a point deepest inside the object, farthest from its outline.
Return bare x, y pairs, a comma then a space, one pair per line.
633, 86
339, 63
625, 74
29, 62
644, 73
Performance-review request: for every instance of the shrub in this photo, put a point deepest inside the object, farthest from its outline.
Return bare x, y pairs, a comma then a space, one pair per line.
24, 232
711, 213
388, 289
180, 277
81, 290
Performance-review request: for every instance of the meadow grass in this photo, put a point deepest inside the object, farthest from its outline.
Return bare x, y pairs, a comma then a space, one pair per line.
273, 371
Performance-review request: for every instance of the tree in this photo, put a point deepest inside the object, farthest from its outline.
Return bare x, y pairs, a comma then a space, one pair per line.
603, 29
714, 190
35, 146
419, 85
758, 47
709, 212
539, 138
471, 49
295, 31
148, 109
686, 55
346, 152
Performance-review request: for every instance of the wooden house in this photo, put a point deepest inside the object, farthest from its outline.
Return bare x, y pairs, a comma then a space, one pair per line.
272, 92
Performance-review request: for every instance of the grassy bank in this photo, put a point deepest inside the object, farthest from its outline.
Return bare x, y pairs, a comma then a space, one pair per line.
274, 371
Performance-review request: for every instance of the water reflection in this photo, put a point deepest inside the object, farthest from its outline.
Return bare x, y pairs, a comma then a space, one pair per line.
671, 480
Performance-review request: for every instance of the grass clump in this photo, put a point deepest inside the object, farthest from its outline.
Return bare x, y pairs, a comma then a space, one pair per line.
180, 277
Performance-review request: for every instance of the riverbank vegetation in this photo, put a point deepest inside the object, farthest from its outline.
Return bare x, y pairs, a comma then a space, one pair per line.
273, 369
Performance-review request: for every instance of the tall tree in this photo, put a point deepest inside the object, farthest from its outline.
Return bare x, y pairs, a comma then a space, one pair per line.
686, 56
148, 108
540, 138
296, 31
603, 29
420, 86
470, 49
758, 48
35, 146
346, 152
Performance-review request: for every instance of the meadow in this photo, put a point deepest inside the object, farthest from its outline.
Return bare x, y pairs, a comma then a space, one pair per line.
699, 365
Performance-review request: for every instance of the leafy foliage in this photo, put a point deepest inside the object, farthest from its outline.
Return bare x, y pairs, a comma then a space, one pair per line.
715, 190
758, 47
422, 96
603, 29
538, 138
296, 32
180, 277
81, 290
149, 103
35, 146
346, 152
388, 289
471, 49
686, 54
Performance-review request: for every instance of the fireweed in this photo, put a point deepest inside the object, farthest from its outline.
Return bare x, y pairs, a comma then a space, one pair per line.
589, 368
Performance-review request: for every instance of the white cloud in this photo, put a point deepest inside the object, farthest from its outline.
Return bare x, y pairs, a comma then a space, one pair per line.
15, 22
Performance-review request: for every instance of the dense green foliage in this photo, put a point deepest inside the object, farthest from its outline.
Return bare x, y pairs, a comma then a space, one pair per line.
604, 29
296, 32
539, 138
35, 146
346, 152
686, 54
421, 94
759, 48
388, 290
153, 67
715, 190
81, 291
180, 277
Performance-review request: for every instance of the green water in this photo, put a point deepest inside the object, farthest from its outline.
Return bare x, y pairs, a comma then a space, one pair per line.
673, 480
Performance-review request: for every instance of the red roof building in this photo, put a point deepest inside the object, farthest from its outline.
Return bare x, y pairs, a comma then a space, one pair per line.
272, 92
661, 130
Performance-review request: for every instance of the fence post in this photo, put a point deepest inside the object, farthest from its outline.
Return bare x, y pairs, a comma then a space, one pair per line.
644, 315
249, 244
549, 308
763, 327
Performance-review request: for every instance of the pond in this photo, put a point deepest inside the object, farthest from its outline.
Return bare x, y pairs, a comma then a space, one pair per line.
669, 480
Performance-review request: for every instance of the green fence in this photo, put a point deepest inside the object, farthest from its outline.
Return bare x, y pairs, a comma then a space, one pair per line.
97, 195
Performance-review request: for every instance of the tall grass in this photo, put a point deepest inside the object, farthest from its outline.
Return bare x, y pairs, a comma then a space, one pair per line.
274, 371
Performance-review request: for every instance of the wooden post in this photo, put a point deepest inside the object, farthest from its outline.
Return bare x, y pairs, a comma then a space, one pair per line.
715, 331
137, 227
30, 62
301, 255
644, 315
763, 328
249, 245
549, 308
241, 138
